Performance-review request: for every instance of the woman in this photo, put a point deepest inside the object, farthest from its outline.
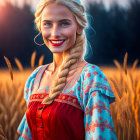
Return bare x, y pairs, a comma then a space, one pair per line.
69, 98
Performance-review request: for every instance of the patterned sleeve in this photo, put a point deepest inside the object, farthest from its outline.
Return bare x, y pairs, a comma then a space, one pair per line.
23, 129
94, 97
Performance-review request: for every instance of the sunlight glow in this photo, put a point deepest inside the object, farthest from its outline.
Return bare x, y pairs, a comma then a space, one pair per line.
33, 3
1, 2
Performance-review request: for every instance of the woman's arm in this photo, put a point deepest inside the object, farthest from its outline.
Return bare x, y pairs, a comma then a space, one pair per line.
97, 119
95, 95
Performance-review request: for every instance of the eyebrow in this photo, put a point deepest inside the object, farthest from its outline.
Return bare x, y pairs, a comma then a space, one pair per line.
63, 20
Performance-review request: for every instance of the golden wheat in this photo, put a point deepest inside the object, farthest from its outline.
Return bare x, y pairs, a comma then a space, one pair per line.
41, 59
128, 107
124, 81
117, 64
19, 65
12, 105
2, 136
125, 63
135, 64
9, 67
33, 57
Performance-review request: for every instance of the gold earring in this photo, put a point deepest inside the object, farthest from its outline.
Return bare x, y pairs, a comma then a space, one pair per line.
36, 42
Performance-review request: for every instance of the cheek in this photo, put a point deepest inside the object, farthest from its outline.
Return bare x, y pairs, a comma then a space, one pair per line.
45, 36
45, 33
71, 33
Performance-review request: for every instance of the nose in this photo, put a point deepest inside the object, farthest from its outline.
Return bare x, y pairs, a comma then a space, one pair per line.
55, 31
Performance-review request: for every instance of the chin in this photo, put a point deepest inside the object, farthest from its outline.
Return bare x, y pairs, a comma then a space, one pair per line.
58, 50
54, 51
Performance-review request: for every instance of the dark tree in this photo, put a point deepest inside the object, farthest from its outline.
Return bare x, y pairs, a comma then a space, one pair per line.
116, 31
17, 32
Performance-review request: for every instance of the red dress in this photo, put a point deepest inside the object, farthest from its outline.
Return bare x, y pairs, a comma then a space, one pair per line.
61, 120
80, 112
58, 121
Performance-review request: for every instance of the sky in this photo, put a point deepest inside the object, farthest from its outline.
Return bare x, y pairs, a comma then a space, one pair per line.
34, 2
108, 2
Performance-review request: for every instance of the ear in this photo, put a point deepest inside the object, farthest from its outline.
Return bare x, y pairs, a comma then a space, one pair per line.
79, 30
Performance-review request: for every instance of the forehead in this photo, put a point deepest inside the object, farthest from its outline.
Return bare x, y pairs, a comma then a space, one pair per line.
55, 11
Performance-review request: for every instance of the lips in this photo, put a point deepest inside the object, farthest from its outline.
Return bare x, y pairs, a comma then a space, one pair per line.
57, 42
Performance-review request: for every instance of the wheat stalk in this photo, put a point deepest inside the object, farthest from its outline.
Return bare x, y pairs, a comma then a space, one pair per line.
129, 104
41, 59
14, 118
19, 65
33, 57
135, 64
117, 89
129, 131
137, 111
117, 64
125, 111
2, 136
137, 122
9, 67
10, 99
125, 63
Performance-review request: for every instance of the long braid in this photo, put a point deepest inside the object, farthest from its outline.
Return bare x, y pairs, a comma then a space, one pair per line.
74, 53
59, 83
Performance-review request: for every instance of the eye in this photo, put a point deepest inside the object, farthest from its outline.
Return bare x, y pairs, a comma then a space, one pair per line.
47, 24
64, 23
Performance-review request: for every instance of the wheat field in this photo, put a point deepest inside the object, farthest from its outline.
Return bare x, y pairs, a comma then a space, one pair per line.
124, 80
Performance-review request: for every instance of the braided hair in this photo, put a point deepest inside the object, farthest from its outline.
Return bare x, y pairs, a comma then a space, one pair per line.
74, 53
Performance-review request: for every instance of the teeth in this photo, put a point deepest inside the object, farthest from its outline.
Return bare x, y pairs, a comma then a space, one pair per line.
56, 42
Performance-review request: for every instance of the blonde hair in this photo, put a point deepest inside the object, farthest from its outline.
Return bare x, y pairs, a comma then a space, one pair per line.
74, 53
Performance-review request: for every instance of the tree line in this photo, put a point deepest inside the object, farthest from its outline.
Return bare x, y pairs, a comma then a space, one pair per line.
111, 33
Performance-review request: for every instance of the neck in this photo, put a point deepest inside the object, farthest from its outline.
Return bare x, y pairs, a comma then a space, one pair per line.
58, 59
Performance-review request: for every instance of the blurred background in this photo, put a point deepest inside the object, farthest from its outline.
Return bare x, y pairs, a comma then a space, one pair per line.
114, 30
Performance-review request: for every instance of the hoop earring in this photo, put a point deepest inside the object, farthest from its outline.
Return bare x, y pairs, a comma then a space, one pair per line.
36, 42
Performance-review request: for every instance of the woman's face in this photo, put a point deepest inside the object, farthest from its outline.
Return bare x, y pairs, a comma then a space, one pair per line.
58, 27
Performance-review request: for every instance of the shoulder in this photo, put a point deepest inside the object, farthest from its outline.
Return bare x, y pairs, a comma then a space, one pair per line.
36, 71
33, 75
93, 79
92, 70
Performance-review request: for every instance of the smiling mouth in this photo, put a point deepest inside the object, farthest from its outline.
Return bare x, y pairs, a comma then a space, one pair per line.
57, 42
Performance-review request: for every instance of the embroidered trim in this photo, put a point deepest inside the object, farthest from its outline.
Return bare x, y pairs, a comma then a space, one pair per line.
89, 111
68, 102
39, 74
23, 135
98, 85
69, 85
103, 86
101, 125
71, 100
18, 132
